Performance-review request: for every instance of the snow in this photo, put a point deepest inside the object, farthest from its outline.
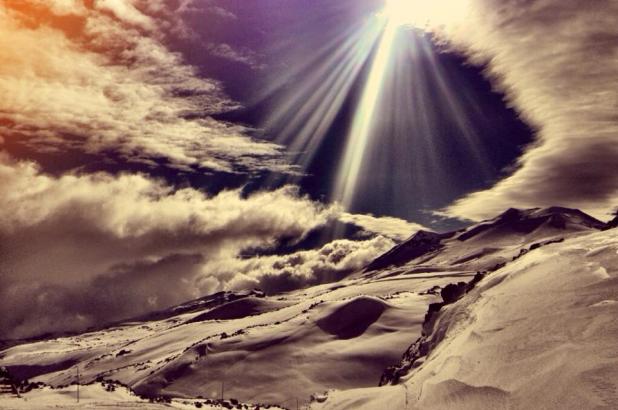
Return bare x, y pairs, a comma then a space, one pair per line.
262, 352
539, 333
90, 397
541, 329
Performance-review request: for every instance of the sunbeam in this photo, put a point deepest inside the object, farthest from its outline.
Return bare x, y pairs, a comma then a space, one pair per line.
327, 79
376, 111
362, 126
409, 103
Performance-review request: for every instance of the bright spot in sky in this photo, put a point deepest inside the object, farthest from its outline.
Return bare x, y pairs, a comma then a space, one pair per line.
363, 124
386, 69
425, 13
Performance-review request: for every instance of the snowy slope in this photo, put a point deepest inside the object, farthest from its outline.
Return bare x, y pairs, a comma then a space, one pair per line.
539, 333
92, 397
484, 245
257, 356
277, 349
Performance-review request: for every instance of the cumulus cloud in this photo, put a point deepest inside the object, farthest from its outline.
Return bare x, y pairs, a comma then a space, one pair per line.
274, 274
556, 60
124, 244
106, 82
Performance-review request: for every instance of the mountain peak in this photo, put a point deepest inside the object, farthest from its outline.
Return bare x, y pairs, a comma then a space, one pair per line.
513, 225
421, 243
527, 221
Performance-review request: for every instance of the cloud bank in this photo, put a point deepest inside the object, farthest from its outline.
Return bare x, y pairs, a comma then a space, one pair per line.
81, 250
275, 274
557, 62
124, 244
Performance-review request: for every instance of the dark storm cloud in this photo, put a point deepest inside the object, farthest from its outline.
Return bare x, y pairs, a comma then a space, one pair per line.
557, 62
36, 307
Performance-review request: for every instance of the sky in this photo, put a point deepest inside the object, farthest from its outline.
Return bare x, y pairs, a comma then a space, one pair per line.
153, 152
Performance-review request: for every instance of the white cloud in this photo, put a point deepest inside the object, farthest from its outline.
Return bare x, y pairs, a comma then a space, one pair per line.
556, 61
124, 10
221, 13
112, 87
330, 263
128, 238
62, 7
243, 56
388, 226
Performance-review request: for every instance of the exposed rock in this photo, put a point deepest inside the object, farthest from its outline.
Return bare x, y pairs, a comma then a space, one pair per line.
421, 243
453, 292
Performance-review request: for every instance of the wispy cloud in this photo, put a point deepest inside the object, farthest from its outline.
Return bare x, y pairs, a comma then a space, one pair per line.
112, 85
244, 56
557, 63
387, 226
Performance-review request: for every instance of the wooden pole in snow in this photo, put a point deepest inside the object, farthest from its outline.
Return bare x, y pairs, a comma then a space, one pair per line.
77, 367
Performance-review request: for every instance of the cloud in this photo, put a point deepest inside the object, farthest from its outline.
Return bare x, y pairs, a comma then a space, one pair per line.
387, 226
37, 307
124, 244
85, 249
125, 11
221, 13
78, 249
61, 7
107, 83
556, 62
281, 273
244, 56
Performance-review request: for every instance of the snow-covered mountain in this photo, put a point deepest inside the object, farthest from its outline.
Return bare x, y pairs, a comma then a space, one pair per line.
507, 313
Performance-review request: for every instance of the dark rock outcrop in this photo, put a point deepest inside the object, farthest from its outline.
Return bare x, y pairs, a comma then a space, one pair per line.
451, 293
613, 223
421, 243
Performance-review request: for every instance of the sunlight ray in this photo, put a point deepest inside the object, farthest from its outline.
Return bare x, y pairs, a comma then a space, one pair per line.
362, 126
304, 116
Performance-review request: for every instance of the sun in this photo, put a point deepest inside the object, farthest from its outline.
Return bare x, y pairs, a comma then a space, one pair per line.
425, 13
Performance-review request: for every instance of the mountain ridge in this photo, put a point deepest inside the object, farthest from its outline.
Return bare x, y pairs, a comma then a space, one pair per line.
341, 335
511, 222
